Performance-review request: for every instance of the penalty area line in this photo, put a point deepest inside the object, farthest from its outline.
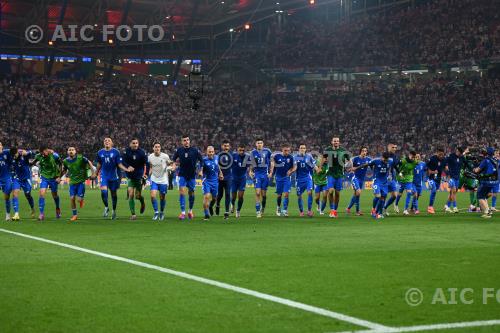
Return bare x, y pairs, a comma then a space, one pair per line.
432, 327
374, 327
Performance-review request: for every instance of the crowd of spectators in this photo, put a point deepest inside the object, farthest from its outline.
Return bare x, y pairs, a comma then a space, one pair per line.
420, 114
432, 32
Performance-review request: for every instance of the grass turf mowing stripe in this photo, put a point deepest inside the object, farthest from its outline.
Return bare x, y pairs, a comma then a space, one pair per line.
432, 327
309, 308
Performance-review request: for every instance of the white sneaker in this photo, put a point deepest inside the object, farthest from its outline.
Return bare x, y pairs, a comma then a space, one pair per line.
16, 217
321, 212
385, 212
106, 212
278, 211
447, 209
259, 215
493, 209
237, 214
396, 209
7, 217
284, 213
486, 216
455, 210
405, 212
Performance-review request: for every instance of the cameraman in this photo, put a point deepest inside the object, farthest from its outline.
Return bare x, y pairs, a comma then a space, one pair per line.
488, 180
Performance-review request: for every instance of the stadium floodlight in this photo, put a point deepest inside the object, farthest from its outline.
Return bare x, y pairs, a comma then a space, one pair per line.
231, 30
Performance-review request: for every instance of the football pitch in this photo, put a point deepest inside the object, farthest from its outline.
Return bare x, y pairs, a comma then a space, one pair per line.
421, 273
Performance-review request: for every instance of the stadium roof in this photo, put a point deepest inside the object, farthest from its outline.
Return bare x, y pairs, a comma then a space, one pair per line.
16, 15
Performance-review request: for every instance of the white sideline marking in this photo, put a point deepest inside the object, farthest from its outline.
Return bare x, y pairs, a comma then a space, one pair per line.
433, 327
309, 308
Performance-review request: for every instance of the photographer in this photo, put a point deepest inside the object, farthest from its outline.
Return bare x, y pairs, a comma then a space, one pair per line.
488, 180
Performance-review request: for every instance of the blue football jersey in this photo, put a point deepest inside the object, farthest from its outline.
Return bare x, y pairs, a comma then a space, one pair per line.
305, 166
381, 169
109, 160
418, 173
454, 163
210, 169
188, 160
282, 164
361, 172
240, 165
22, 169
5, 164
261, 161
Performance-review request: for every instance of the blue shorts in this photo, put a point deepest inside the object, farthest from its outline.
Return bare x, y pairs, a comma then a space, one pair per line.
405, 187
21, 184
210, 188
453, 183
189, 183
485, 189
111, 184
417, 188
6, 185
77, 190
357, 184
261, 182
320, 188
335, 183
434, 184
238, 184
392, 186
381, 189
162, 188
283, 185
304, 185
46, 183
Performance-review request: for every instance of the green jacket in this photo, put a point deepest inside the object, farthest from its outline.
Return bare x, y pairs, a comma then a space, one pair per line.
319, 178
406, 168
50, 166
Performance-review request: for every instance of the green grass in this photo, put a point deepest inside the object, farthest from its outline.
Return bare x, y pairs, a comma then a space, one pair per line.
352, 265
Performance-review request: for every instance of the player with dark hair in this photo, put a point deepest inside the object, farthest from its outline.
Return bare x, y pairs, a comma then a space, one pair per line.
489, 175
188, 159
454, 162
135, 157
435, 167
6, 178
21, 180
381, 168
304, 167
358, 179
241, 162
406, 167
225, 164
50, 170
282, 166
259, 171
76, 166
